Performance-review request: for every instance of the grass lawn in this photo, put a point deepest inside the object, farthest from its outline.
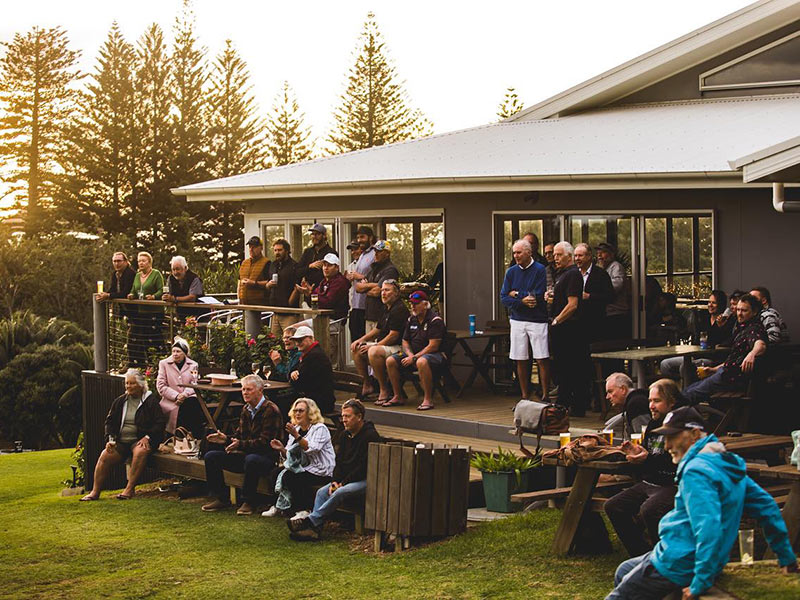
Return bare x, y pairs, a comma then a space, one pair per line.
58, 547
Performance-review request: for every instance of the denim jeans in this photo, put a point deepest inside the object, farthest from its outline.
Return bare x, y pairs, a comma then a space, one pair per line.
702, 390
673, 368
637, 579
325, 503
252, 465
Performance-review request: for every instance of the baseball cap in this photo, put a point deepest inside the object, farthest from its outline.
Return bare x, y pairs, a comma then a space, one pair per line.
684, 418
254, 241
417, 297
303, 332
606, 247
319, 228
382, 245
353, 245
332, 259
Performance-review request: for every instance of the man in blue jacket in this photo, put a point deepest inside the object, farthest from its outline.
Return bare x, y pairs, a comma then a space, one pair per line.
698, 534
523, 295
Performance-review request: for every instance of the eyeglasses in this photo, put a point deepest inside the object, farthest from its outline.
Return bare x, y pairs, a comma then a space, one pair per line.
298, 409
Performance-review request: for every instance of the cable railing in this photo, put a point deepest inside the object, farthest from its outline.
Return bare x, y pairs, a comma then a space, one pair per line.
137, 333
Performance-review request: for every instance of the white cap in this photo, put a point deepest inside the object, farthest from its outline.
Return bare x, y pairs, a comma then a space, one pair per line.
331, 259
303, 332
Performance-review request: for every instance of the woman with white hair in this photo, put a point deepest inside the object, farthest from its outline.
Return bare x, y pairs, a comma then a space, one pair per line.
179, 402
134, 428
309, 460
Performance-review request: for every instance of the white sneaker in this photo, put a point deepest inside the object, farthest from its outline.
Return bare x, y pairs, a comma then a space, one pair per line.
301, 515
272, 511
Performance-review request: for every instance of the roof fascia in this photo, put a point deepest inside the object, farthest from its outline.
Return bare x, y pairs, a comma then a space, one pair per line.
683, 53
768, 167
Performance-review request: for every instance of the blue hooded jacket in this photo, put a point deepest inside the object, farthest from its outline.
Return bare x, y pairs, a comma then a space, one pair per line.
698, 534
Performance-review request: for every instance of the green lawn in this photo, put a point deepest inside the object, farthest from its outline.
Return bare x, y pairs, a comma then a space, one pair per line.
57, 547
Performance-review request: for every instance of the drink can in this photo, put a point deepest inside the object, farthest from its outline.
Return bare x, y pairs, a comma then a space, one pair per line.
274, 278
472, 323
563, 439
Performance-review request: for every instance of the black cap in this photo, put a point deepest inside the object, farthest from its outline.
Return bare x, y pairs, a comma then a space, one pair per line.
684, 418
364, 229
353, 245
606, 247
254, 241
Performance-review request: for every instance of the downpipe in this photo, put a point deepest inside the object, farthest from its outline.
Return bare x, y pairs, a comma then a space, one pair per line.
779, 201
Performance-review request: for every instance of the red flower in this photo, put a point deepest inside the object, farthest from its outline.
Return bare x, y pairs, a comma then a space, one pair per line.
251, 342
148, 372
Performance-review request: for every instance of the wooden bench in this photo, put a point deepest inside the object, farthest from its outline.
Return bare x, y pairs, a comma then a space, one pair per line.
562, 492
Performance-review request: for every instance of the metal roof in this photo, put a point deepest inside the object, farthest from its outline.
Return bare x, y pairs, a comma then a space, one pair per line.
696, 137
778, 163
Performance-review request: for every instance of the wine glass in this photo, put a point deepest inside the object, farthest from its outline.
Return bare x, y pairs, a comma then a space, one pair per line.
256, 368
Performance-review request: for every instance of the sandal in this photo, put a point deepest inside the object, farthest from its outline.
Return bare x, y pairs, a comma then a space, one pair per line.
390, 403
89, 498
122, 497
426, 407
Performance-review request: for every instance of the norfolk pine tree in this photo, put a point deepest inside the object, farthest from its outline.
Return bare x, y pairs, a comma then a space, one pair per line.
374, 108
510, 105
37, 75
287, 135
236, 135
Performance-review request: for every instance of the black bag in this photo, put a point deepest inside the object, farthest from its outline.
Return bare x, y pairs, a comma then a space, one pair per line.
539, 418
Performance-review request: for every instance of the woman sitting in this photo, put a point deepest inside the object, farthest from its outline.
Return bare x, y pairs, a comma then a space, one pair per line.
134, 428
179, 402
309, 460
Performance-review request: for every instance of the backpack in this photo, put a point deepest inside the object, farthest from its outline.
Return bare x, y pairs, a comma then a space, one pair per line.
539, 418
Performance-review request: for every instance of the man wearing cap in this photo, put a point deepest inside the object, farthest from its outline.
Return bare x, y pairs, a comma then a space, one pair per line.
357, 320
421, 340
281, 278
618, 311
314, 377
355, 253
310, 265
381, 269
252, 274
332, 290
372, 349
698, 534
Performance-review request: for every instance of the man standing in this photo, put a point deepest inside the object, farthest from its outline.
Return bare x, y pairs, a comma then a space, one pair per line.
771, 319
698, 534
632, 404
281, 278
550, 264
381, 269
349, 474
332, 291
357, 321
120, 284
522, 294
569, 339
314, 377
246, 451
184, 286
252, 274
422, 337
597, 293
372, 349
310, 265
749, 342
355, 253
533, 240
641, 506
618, 311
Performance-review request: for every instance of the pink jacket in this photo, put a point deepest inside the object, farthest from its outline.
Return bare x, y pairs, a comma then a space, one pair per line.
170, 383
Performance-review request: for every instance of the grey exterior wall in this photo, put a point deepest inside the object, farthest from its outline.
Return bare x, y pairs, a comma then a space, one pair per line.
754, 244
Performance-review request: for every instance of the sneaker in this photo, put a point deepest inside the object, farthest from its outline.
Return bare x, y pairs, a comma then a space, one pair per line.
301, 514
245, 509
295, 525
272, 511
308, 534
216, 505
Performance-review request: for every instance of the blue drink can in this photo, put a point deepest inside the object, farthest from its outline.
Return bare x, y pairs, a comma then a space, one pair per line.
472, 322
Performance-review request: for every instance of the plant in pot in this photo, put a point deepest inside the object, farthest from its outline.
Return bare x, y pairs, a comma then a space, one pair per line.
504, 473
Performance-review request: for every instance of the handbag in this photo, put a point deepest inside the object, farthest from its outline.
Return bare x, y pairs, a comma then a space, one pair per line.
540, 418
185, 444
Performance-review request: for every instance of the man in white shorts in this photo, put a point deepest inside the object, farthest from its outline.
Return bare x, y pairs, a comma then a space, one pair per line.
381, 341
523, 295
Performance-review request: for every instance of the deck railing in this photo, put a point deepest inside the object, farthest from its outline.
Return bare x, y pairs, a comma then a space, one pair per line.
116, 339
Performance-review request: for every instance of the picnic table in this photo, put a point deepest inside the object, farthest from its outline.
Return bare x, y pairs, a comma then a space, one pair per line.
482, 361
791, 509
640, 356
580, 521
228, 393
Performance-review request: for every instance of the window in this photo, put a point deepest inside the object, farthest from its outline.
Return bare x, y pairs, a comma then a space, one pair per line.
417, 245
678, 253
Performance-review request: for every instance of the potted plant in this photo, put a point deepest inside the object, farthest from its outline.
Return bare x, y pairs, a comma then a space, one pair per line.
504, 473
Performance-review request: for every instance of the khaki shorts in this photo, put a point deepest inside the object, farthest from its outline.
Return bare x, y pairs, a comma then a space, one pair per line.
387, 350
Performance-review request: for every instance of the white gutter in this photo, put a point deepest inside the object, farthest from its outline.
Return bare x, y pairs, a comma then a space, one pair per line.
780, 203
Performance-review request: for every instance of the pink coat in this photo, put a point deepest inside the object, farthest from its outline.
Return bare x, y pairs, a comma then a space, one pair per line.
170, 383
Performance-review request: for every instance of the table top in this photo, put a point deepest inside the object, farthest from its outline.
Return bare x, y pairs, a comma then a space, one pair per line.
654, 353
784, 472
755, 442
268, 385
463, 334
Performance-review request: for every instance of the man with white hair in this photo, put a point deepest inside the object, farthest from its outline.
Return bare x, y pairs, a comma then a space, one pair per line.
522, 293
184, 286
314, 376
569, 339
632, 403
